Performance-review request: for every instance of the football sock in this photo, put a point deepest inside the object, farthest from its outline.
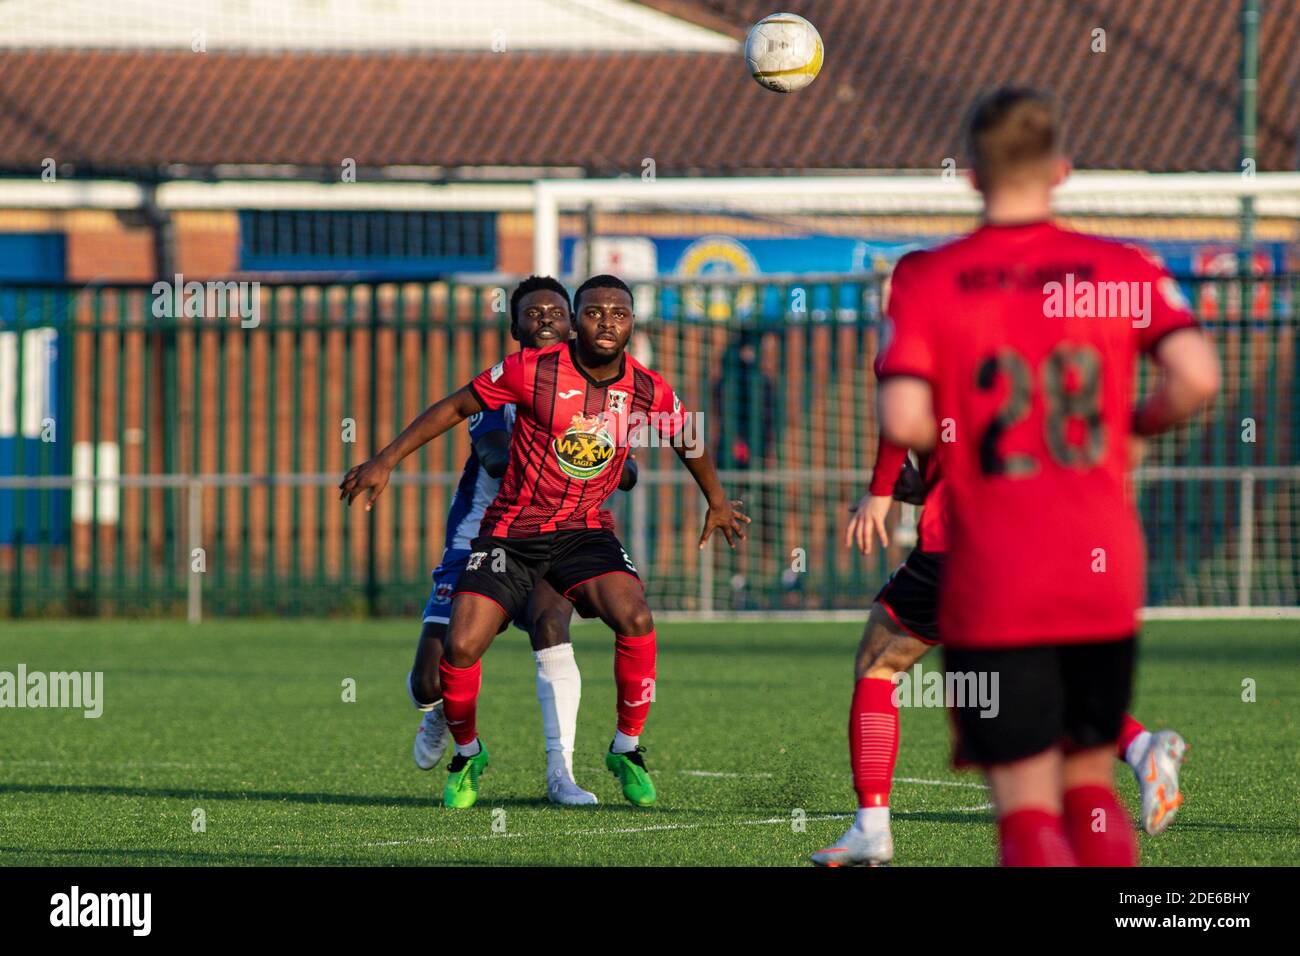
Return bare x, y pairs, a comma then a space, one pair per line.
460, 687
419, 704
623, 743
634, 673
470, 749
1099, 828
1136, 750
559, 689
1130, 731
873, 740
1034, 837
872, 818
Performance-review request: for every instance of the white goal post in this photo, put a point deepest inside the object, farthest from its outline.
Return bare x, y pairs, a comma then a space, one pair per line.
1258, 538
1212, 195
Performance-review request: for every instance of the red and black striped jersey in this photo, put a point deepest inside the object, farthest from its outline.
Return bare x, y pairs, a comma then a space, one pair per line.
570, 438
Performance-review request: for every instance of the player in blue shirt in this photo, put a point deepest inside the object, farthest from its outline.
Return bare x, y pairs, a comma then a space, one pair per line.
540, 315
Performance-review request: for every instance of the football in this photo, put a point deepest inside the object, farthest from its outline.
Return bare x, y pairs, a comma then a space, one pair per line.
783, 52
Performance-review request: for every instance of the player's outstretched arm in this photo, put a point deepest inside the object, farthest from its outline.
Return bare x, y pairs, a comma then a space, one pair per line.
724, 514
439, 417
1191, 378
907, 413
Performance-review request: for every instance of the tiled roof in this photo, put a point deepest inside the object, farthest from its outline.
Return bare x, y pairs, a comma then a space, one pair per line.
897, 79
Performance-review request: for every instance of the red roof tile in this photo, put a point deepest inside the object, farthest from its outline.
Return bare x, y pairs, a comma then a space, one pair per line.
897, 79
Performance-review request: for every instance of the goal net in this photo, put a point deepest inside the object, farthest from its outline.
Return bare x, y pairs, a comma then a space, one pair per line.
759, 300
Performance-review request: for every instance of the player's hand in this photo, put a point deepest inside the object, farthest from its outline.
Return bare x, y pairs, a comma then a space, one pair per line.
868, 521
372, 475
729, 518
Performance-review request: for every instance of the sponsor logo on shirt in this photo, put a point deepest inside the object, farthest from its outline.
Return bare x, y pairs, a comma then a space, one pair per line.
585, 449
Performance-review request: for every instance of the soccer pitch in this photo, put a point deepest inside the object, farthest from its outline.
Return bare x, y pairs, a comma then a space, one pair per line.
245, 721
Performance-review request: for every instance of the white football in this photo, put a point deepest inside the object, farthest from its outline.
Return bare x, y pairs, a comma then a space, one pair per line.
784, 52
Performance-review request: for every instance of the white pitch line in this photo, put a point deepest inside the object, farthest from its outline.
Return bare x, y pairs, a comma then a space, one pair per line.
941, 783
606, 831
121, 764
728, 776
592, 831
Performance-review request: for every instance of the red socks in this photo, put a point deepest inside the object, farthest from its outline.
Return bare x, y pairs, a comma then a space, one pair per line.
634, 679
1099, 828
460, 687
1095, 831
1033, 837
873, 740
1129, 729
634, 674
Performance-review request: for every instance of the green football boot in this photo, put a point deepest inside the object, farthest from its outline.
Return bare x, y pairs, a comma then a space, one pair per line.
630, 770
461, 791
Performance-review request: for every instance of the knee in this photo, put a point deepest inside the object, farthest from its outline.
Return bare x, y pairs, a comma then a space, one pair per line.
635, 621
550, 629
884, 652
460, 655
876, 664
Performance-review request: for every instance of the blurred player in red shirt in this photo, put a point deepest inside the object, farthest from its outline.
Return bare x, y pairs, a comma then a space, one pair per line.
1012, 354
902, 627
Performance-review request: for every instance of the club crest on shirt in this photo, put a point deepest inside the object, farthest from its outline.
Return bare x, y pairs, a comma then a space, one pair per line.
585, 449
617, 401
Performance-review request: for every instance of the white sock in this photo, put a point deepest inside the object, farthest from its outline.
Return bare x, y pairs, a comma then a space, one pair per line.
559, 691
469, 749
872, 818
623, 743
1137, 749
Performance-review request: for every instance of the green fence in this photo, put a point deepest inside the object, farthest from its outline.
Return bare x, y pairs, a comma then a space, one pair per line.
160, 450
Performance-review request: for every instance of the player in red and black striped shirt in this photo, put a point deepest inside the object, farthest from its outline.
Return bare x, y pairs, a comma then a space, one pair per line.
577, 406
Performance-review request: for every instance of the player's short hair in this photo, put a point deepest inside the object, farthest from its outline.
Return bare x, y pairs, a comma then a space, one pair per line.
604, 281
1009, 128
536, 284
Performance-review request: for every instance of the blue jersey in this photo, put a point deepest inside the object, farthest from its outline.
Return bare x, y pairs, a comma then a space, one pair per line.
477, 488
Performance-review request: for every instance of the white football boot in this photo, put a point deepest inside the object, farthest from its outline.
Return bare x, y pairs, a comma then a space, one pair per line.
431, 739
560, 785
858, 848
1157, 777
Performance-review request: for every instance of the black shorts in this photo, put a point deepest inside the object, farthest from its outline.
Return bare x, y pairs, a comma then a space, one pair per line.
506, 570
911, 595
1074, 695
